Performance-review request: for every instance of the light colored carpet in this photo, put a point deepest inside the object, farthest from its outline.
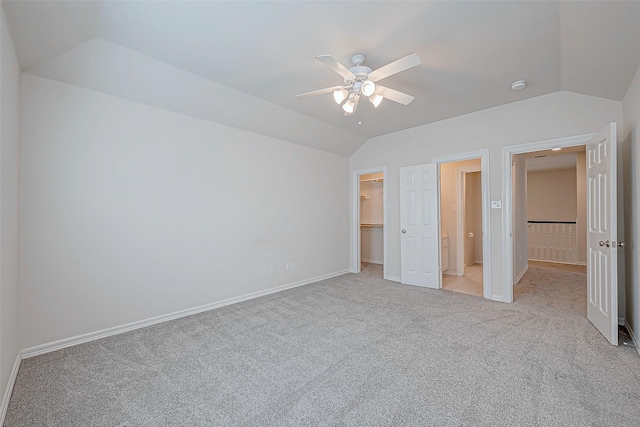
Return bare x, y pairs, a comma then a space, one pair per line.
352, 350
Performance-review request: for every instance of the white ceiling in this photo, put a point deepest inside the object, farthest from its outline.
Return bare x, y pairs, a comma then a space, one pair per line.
550, 160
263, 53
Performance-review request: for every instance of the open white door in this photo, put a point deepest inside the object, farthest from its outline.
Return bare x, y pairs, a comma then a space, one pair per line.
602, 238
419, 224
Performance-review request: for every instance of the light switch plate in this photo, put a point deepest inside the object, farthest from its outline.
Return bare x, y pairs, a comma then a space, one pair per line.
496, 204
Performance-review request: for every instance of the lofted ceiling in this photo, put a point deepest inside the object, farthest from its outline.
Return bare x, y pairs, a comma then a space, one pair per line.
259, 55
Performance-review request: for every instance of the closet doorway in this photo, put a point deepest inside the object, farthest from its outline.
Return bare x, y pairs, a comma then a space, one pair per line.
369, 240
371, 224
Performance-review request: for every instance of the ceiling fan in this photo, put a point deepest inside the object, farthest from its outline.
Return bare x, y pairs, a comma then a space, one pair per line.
360, 80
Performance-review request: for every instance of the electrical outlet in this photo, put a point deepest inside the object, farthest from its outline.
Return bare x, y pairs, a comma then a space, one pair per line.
293, 266
272, 269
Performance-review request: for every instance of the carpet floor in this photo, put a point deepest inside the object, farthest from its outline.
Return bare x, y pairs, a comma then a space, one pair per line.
352, 350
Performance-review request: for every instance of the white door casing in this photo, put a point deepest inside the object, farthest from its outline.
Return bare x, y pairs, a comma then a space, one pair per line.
419, 235
602, 230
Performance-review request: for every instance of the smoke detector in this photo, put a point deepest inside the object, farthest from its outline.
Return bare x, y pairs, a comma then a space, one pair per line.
519, 85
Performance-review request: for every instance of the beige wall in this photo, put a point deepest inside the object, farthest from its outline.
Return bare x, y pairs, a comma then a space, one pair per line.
552, 195
372, 212
473, 219
581, 205
448, 205
371, 209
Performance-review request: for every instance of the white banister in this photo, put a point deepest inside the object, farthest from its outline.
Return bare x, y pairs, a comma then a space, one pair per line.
553, 241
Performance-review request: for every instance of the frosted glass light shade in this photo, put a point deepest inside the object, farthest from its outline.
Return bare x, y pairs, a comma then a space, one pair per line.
368, 88
340, 95
376, 99
348, 106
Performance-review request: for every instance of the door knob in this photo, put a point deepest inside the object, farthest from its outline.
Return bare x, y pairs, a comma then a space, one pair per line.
620, 244
607, 243
404, 231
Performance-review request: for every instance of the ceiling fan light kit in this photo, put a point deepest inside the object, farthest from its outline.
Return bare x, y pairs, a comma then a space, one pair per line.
348, 106
360, 80
340, 95
368, 88
376, 99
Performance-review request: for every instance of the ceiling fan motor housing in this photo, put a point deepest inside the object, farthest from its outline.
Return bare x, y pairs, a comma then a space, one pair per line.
360, 71
358, 59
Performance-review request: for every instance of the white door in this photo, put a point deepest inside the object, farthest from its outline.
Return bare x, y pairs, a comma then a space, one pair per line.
602, 239
419, 226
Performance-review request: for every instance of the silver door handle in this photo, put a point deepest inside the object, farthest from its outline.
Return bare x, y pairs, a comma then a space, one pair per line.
620, 244
404, 231
607, 243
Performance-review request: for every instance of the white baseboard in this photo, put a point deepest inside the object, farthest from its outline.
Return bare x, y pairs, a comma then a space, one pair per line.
633, 336
526, 268
394, 278
450, 273
91, 336
9, 389
371, 261
497, 298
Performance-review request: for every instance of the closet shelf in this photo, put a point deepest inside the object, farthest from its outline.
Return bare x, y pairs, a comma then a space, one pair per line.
371, 226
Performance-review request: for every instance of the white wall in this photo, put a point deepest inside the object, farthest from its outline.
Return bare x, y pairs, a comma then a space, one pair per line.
630, 142
9, 87
552, 195
130, 212
550, 116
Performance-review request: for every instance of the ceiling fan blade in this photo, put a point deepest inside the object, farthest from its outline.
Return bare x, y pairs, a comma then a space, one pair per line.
401, 64
394, 95
319, 92
332, 63
355, 106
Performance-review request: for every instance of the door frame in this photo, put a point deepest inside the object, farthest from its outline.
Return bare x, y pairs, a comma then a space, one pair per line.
483, 155
460, 217
507, 195
355, 218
